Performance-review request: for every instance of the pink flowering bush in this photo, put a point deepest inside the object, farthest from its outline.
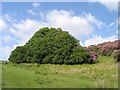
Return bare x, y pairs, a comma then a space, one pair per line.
106, 48
93, 55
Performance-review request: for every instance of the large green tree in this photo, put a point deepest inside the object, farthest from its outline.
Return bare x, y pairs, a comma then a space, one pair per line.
51, 45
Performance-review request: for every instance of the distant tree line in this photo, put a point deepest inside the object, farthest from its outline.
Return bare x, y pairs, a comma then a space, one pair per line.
51, 45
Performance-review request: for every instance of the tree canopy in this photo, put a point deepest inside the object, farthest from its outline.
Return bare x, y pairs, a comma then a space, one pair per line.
51, 45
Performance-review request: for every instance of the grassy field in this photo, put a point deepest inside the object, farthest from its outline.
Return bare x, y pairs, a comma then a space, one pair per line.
0, 75
101, 75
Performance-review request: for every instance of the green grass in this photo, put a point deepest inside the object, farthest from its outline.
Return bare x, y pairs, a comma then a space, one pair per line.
0, 74
101, 75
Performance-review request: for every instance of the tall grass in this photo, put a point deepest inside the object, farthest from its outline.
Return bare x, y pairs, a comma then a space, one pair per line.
0, 74
101, 75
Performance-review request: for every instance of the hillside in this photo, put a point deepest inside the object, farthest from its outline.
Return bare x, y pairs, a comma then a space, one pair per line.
106, 48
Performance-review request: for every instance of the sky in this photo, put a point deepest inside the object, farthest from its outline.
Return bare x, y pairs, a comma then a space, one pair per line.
90, 22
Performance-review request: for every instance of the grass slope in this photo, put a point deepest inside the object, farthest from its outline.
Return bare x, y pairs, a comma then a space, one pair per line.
0, 74
101, 75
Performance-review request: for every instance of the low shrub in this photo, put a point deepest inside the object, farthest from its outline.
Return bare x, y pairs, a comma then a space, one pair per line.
93, 55
116, 55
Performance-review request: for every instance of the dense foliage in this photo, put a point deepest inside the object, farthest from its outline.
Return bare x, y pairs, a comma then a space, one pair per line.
106, 49
51, 45
116, 54
93, 55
